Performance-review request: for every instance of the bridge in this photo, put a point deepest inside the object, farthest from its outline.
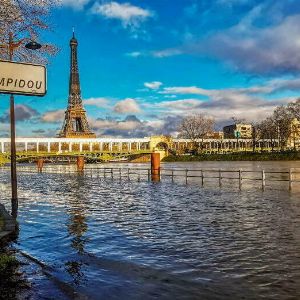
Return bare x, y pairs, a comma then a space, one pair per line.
66, 149
56, 157
105, 149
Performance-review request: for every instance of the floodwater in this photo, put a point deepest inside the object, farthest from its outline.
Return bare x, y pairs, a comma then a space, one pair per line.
120, 239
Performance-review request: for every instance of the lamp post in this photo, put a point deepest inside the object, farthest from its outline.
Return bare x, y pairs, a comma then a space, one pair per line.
14, 183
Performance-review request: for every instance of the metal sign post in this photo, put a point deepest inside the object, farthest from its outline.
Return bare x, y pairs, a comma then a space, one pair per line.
21, 79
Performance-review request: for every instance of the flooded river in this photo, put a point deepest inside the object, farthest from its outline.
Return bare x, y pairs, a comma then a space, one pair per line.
111, 239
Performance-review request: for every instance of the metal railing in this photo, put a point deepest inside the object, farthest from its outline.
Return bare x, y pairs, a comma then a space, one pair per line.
219, 177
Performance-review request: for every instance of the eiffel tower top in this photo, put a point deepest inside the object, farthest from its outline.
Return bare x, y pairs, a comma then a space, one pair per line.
74, 83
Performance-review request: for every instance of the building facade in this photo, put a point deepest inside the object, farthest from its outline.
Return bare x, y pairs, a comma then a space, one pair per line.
245, 131
294, 139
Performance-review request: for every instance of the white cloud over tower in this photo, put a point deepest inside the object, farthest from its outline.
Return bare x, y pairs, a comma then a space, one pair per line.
129, 15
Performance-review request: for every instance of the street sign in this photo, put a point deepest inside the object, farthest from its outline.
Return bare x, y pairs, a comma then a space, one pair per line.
22, 78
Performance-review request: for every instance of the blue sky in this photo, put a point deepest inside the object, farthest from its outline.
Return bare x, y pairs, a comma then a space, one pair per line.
146, 64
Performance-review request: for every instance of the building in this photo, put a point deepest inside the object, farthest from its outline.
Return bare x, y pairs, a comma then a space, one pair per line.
245, 131
294, 138
216, 135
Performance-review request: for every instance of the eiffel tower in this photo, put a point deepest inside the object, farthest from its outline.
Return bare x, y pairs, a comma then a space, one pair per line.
75, 124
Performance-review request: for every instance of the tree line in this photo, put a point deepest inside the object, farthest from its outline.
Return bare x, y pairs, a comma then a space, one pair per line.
280, 126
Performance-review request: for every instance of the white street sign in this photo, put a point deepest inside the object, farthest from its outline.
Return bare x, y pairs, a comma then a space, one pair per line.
22, 78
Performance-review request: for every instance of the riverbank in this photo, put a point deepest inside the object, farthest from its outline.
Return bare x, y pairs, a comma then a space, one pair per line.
7, 223
3, 160
240, 156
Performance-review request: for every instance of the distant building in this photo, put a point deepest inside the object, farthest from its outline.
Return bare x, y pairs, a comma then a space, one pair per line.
245, 131
294, 138
216, 135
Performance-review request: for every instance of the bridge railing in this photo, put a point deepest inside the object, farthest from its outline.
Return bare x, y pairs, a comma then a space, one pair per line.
282, 179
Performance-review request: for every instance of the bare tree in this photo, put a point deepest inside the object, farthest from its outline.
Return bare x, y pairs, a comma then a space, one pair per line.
283, 118
268, 131
295, 131
254, 134
20, 22
294, 109
195, 128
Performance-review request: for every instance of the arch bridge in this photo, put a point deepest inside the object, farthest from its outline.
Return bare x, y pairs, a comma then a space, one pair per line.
67, 149
104, 149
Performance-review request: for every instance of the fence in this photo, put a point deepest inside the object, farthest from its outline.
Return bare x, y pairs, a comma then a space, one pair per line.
219, 177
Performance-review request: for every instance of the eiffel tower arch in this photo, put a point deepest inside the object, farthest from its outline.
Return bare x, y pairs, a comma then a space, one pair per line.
75, 124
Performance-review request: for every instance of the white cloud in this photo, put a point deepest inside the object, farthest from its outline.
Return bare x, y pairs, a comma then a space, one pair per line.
248, 103
131, 126
167, 52
134, 54
265, 42
154, 85
75, 4
128, 14
98, 102
127, 106
268, 87
220, 106
4, 129
53, 116
274, 49
185, 90
23, 112
170, 96
180, 105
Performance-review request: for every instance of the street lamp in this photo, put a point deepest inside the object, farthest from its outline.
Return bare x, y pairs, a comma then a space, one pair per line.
14, 186
32, 45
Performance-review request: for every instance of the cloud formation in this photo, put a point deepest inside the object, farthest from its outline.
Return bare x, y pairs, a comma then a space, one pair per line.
98, 102
223, 104
269, 50
128, 14
265, 41
131, 126
53, 116
75, 4
22, 113
134, 54
127, 106
154, 85
268, 87
167, 52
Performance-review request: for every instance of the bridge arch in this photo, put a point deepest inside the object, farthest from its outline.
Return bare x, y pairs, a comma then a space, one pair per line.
162, 145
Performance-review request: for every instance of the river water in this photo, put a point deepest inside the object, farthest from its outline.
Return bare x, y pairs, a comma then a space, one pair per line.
112, 239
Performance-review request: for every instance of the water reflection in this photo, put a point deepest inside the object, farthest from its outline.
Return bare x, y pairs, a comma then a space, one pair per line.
77, 227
